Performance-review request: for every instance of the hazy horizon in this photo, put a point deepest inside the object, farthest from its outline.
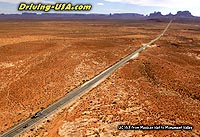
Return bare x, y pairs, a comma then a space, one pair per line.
115, 6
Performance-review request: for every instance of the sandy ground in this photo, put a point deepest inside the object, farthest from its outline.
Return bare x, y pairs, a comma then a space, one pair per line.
160, 87
40, 63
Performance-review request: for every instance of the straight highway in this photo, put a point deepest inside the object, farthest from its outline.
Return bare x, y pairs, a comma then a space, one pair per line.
87, 86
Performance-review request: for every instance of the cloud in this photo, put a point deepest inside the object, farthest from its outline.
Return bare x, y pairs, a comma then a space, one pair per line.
162, 3
117, 10
27, 1
15, 1
100, 4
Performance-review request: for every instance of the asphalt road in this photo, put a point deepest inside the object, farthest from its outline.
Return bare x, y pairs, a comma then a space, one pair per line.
27, 124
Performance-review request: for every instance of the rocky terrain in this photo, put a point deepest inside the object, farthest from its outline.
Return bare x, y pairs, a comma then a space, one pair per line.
40, 63
160, 87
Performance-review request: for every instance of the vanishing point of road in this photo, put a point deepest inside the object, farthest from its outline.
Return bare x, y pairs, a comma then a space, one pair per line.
87, 86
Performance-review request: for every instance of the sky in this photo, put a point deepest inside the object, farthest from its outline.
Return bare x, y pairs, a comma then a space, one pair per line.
117, 6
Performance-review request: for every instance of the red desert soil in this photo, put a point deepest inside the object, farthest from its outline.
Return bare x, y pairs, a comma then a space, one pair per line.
160, 87
41, 61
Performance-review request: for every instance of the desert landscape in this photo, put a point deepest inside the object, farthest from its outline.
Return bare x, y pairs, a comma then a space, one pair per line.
41, 61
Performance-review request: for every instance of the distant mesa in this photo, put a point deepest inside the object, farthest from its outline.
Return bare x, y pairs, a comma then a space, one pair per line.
29, 14
156, 14
127, 15
62, 16
184, 14
170, 15
178, 14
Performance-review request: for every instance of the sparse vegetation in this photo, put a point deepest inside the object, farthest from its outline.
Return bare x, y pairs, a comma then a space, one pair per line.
157, 93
